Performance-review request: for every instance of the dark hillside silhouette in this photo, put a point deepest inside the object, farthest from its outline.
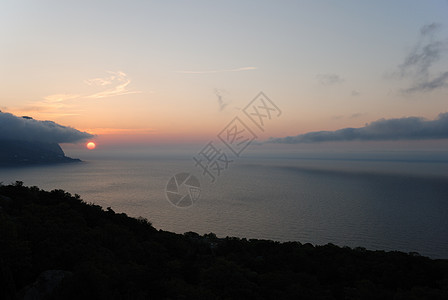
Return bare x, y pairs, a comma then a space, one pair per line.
14, 153
53, 245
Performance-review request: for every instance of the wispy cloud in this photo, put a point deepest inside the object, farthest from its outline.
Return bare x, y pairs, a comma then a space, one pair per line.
58, 105
120, 131
329, 79
352, 116
429, 29
434, 83
58, 98
117, 83
219, 93
56, 101
355, 93
356, 115
218, 71
410, 128
424, 54
419, 62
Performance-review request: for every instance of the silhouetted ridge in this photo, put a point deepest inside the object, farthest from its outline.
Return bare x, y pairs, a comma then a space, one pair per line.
13, 152
55, 246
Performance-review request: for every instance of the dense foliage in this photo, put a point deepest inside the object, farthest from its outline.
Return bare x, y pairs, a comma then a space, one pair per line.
107, 255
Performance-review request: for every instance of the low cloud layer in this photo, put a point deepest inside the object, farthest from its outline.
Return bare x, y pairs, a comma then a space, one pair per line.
27, 129
411, 128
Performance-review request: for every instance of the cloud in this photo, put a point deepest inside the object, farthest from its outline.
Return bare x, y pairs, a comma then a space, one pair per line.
122, 131
410, 128
356, 115
218, 71
57, 98
57, 105
329, 79
117, 84
418, 63
430, 28
429, 85
221, 103
355, 93
27, 129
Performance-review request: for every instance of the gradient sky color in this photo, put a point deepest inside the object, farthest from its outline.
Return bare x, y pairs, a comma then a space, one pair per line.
154, 71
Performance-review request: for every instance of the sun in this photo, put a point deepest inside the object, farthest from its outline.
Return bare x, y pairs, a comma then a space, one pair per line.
91, 145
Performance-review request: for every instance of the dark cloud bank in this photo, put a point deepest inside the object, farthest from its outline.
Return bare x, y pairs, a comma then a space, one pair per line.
410, 128
25, 141
29, 130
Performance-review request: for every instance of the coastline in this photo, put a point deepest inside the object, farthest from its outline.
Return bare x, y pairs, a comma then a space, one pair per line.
100, 253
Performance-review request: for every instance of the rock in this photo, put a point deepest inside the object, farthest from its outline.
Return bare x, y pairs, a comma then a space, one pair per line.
14, 152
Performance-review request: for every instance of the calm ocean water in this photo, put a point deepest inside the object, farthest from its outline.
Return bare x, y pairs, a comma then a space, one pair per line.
387, 204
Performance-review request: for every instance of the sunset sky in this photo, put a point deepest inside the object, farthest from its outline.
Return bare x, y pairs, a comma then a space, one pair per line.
156, 71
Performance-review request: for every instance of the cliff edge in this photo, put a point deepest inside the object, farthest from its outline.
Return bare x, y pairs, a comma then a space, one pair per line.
14, 152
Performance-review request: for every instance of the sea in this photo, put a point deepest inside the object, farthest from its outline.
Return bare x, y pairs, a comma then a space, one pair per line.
380, 201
